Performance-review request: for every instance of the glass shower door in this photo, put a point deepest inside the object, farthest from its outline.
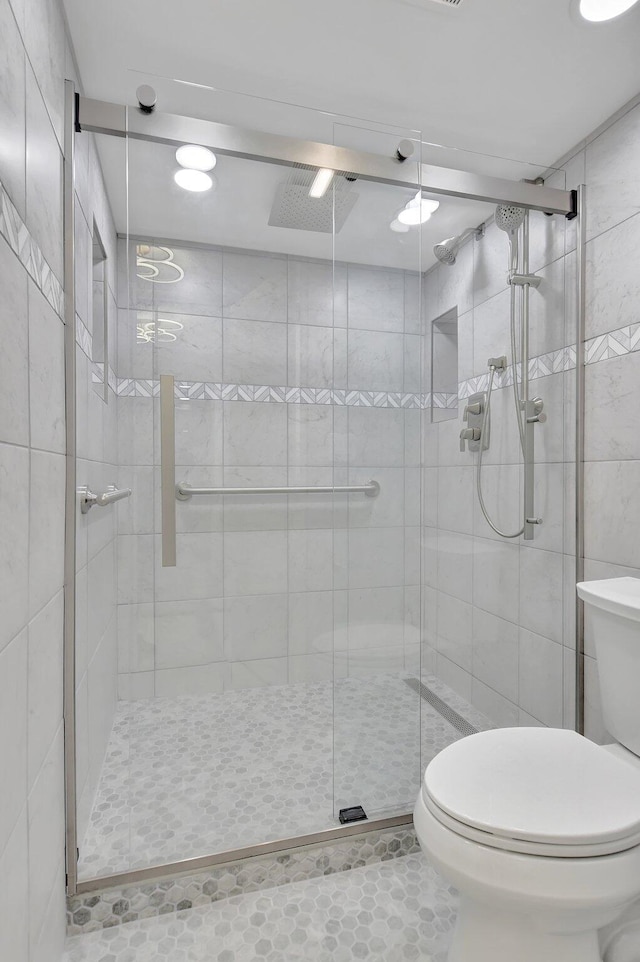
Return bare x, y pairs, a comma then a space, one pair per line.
230, 731
377, 638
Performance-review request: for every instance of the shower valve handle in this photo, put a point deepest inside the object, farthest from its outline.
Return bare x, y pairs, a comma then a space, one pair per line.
536, 415
474, 408
469, 434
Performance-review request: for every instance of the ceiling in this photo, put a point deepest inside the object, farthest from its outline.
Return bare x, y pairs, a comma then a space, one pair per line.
236, 212
500, 78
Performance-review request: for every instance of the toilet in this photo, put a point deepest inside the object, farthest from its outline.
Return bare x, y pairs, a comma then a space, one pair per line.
539, 828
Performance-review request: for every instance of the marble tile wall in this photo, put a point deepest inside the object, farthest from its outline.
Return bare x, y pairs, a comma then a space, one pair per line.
32, 481
485, 631
270, 590
96, 467
612, 452
499, 616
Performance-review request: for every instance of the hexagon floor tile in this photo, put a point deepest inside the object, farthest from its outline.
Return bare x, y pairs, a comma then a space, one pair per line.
398, 910
188, 776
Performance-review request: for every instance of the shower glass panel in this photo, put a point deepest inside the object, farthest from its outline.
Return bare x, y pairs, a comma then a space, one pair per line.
231, 295
312, 647
497, 629
377, 650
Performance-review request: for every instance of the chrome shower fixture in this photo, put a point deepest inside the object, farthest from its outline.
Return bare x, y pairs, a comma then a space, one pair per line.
447, 250
510, 220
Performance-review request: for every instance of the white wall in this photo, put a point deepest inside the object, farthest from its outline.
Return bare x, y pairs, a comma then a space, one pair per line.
495, 610
32, 474
499, 618
260, 585
612, 438
96, 467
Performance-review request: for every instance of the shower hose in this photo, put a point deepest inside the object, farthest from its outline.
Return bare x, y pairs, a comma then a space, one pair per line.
485, 416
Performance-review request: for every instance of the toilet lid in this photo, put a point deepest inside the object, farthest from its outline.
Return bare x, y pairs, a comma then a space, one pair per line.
537, 784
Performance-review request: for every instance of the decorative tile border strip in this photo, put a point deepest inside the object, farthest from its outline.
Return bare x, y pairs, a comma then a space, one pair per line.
83, 338
209, 391
87, 913
626, 340
97, 375
15, 232
600, 348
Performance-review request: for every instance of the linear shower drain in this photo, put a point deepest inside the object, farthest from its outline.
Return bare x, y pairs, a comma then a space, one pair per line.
449, 714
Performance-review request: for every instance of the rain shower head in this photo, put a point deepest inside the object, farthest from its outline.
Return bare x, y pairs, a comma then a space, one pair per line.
509, 218
447, 250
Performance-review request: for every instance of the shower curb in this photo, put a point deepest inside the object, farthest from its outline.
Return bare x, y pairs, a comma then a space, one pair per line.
117, 906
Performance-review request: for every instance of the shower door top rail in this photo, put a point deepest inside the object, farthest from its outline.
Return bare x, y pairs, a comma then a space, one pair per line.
185, 491
102, 117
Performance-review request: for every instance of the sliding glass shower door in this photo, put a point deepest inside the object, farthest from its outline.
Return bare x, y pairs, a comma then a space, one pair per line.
376, 643
308, 604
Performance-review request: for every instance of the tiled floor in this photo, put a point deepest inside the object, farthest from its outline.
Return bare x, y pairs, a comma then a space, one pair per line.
397, 910
198, 774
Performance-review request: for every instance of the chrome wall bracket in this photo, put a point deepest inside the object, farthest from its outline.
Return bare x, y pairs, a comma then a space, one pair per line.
519, 280
88, 499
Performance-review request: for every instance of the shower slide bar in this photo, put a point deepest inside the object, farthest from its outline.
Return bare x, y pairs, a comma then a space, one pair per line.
185, 491
88, 499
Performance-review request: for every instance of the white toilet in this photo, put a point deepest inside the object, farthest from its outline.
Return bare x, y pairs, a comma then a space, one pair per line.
538, 828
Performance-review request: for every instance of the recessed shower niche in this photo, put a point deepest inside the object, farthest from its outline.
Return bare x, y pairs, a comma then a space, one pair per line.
444, 366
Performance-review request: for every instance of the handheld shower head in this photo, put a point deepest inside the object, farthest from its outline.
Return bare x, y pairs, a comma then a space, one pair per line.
509, 219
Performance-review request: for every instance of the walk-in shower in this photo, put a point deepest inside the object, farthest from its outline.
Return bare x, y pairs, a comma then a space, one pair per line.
270, 602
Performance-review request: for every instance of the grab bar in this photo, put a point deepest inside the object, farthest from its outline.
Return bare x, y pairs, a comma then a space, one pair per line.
185, 491
112, 494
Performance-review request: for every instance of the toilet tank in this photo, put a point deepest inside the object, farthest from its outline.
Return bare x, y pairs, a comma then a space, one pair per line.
613, 608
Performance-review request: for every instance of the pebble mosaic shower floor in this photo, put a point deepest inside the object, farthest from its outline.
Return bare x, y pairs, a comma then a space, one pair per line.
397, 910
187, 776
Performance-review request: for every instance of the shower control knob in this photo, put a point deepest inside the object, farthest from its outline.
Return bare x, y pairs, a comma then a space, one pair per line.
537, 404
474, 408
469, 434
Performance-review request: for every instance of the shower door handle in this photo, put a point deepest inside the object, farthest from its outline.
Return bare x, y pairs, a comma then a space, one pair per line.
168, 469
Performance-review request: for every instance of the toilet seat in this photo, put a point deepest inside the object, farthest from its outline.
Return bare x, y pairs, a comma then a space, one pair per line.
535, 791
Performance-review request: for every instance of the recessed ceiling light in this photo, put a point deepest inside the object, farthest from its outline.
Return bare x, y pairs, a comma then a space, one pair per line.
418, 211
599, 10
321, 182
195, 180
398, 226
195, 157
412, 216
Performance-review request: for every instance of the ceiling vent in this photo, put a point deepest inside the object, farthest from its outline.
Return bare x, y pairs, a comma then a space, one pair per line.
294, 208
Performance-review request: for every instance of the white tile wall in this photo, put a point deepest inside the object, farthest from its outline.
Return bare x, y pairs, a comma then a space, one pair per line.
488, 597
266, 578
96, 534
523, 595
32, 444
